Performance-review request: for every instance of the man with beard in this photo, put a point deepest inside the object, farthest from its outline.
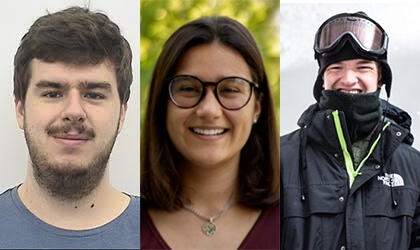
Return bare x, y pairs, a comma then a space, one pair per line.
71, 84
350, 178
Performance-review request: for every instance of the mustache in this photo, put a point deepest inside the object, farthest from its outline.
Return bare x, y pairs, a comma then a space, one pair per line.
65, 128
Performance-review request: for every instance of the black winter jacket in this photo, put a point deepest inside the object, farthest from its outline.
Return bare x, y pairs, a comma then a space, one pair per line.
381, 210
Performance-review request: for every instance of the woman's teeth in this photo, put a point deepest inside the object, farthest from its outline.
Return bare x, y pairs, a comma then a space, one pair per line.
208, 131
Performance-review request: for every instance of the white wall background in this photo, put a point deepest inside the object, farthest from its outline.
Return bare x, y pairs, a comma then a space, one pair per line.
298, 68
15, 19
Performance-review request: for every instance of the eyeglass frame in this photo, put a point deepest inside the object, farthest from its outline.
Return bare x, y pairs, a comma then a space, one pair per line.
203, 93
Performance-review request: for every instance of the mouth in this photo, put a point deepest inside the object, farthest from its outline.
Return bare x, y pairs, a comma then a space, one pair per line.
71, 140
350, 91
208, 132
72, 137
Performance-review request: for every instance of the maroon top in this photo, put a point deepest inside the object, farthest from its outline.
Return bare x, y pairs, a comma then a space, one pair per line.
265, 234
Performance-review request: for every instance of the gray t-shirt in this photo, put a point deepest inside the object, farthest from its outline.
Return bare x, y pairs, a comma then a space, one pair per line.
19, 228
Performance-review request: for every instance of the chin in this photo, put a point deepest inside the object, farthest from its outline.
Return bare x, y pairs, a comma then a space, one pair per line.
210, 161
68, 164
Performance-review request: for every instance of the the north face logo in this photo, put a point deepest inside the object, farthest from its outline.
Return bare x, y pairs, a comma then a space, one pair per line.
392, 180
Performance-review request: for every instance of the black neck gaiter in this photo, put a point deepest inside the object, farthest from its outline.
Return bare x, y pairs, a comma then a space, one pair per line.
362, 111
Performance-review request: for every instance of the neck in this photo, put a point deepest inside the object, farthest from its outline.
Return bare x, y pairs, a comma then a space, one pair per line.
103, 204
362, 111
210, 189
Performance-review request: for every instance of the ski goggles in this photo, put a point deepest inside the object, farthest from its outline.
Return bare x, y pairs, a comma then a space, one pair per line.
368, 34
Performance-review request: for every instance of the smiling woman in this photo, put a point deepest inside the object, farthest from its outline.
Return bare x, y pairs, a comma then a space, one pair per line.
209, 147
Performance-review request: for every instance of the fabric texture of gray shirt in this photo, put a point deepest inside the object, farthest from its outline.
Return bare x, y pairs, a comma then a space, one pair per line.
20, 229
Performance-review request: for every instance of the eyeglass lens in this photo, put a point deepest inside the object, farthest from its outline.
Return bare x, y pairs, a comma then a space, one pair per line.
232, 93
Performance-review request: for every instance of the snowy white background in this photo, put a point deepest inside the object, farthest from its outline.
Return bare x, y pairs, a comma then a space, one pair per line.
298, 68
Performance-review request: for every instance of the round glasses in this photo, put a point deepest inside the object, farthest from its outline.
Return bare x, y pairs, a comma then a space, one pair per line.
232, 92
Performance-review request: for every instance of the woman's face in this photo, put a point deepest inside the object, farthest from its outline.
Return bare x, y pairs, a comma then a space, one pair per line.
208, 134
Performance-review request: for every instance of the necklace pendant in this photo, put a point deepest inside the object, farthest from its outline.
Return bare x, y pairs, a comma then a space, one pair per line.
208, 228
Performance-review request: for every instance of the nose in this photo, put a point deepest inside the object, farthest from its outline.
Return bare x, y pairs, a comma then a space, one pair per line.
73, 110
209, 107
349, 77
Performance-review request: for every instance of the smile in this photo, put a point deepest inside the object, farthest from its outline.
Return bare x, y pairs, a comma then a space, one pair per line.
201, 131
351, 91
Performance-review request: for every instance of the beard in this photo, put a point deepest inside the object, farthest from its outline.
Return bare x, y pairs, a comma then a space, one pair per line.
68, 181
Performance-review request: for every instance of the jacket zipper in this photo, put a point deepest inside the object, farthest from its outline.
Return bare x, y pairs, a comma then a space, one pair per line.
347, 158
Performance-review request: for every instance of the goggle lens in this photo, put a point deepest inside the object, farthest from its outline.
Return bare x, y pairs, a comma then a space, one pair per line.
366, 33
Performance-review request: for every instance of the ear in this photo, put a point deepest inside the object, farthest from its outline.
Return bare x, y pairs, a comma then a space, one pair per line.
123, 111
258, 106
20, 112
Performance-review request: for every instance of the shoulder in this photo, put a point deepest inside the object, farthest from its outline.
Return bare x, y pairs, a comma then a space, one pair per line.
6, 194
269, 221
135, 201
15, 223
289, 148
149, 235
405, 148
406, 154
403, 157
397, 136
133, 209
129, 220
272, 213
290, 138
7, 201
266, 231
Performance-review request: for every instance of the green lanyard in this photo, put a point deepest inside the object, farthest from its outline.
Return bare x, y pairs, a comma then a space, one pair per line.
347, 158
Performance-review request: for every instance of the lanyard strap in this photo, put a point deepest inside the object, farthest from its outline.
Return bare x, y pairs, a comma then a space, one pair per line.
347, 158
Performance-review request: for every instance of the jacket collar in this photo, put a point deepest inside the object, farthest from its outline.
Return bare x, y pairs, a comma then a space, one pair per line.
321, 130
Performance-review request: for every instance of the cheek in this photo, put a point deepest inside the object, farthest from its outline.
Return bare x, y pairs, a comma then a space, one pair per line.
242, 119
328, 79
371, 82
39, 115
374, 83
175, 118
107, 119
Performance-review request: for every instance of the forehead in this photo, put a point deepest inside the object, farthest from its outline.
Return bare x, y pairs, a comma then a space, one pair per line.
355, 62
65, 73
211, 62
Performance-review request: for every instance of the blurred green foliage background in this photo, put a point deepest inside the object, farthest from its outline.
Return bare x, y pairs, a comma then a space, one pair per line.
160, 18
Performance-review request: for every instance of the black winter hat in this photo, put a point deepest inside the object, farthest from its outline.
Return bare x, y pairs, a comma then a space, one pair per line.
349, 49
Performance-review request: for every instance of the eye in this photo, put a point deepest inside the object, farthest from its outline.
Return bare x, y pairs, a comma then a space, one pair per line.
334, 68
229, 90
52, 94
365, 68
94, 96
187, 88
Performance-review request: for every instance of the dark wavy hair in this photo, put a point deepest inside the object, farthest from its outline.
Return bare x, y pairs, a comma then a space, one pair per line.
75, 36
259, 170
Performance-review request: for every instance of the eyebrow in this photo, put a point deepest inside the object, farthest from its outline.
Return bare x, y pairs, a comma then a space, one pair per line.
47, 84
365, 62
95, 85
82, 86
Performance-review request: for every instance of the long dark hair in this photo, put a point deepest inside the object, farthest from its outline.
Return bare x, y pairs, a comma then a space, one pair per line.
259, 170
